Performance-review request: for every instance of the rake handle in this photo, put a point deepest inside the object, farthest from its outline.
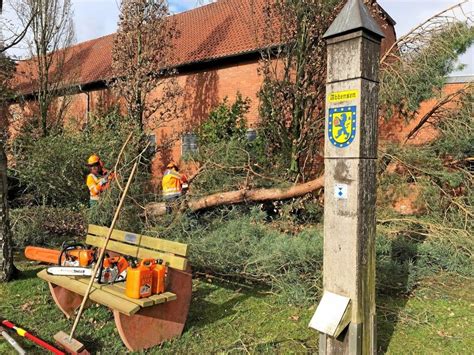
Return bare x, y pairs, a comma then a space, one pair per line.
102, 252
22, 332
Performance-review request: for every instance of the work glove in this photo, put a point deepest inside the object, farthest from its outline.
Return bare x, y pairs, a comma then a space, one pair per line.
103, 181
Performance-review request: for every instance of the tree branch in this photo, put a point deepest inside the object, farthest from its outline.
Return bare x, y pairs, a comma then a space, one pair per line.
435, 109
420, 26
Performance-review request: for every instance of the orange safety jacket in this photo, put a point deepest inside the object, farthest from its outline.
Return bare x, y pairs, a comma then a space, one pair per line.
93, 183
172, 183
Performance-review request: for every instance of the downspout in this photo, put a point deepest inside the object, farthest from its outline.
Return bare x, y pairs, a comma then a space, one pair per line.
88, 104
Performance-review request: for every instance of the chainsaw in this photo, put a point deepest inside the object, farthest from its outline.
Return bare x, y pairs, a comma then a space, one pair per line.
76, 254
75, 259
71, 254
113, 269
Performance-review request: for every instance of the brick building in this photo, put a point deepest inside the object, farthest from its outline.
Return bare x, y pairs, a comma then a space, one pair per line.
216, 55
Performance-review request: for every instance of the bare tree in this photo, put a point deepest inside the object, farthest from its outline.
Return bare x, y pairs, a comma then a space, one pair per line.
142, 56
50, 31
6, 248
6, 251
294, 71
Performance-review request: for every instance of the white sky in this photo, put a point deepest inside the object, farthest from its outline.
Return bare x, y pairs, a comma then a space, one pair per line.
95, 18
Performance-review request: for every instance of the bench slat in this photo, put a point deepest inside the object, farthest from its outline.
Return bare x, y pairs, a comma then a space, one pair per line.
96, 295
118, 247
156, 299
164, 297
119, 292
176, 262
141, 240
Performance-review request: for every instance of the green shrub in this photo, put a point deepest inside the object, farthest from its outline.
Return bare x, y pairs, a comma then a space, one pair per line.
53, 168
245, 247
232, 161
225, 122
46, 226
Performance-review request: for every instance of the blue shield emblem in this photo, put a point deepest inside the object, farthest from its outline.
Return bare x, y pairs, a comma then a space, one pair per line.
342, 125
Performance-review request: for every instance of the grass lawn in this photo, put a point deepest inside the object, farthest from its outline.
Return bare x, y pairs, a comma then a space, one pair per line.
226, 317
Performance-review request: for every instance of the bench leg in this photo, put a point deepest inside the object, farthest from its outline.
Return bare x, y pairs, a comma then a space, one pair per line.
67, 301
152, 325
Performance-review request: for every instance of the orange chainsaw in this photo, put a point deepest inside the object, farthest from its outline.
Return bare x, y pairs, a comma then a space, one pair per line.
75, 259
71, 254
113, 269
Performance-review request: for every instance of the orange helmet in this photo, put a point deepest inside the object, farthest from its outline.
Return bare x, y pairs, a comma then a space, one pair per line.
93, 160
172, 166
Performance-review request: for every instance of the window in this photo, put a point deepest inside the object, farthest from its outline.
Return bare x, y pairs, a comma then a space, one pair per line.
152, 140
188, 144
251, 135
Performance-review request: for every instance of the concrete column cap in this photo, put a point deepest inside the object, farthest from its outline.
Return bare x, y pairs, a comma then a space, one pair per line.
354, 16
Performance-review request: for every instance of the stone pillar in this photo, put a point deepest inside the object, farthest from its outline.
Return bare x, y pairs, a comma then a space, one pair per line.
350, 174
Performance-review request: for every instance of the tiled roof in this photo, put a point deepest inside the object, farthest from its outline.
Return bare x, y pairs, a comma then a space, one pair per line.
221, 29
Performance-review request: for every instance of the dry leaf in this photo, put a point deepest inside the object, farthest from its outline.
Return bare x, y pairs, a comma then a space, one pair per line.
27, 306
443, 334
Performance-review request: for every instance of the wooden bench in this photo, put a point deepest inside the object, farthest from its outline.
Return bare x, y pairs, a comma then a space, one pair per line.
141, 323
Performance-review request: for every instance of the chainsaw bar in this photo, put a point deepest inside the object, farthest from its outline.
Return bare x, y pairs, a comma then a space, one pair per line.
69, 271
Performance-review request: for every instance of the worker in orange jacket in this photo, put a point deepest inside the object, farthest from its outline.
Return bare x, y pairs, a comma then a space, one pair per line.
173, 183
99, 178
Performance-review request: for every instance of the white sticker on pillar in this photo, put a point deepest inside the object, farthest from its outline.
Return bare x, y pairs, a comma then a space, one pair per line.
341, 191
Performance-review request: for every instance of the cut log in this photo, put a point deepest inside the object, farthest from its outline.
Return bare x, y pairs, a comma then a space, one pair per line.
241, 196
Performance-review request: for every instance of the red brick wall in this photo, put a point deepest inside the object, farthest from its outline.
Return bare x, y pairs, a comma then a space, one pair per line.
397, 129
390, 35
202, 91
76, 111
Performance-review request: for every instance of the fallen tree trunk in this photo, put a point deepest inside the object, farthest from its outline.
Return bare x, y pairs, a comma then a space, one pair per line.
241, 196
